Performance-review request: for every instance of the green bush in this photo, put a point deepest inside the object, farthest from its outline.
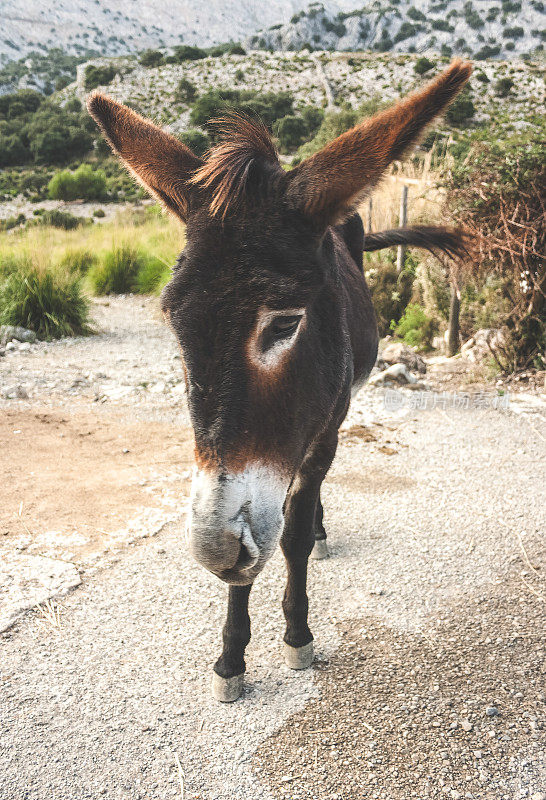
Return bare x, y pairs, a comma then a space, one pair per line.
196, 140
186, 91
462, 109
49, 302
268, 107
291, 132
98, 76
423, 65
61, 219
13, 151
117, 273
83, 184
503, 86
185, 52
151, 58
415, 327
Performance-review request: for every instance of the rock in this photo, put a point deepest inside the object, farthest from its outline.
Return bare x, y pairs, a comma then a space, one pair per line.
399, 353
480, 345
397, 372
9, 332
10, 346
24, 347
15, 393
466, 725
492, 711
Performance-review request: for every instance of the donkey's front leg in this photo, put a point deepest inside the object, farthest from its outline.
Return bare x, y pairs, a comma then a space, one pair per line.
297, 543
227, 678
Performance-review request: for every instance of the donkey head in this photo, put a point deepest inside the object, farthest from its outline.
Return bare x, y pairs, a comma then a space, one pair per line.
255, 304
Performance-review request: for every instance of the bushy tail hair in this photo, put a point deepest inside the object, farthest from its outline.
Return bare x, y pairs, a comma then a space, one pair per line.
451, 241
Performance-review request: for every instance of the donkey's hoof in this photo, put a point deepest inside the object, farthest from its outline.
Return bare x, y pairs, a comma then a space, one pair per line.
227, 690
320, 550
299, 657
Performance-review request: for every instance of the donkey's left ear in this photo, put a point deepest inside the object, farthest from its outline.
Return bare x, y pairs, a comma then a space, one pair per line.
331, 182
160, 162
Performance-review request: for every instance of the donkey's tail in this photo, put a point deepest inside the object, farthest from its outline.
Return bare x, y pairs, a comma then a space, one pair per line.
451, 241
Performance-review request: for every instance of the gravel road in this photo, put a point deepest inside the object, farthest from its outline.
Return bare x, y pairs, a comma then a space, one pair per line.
428, 617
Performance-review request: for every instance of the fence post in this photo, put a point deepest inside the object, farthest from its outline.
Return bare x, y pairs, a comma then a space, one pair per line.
403, 220
369, 220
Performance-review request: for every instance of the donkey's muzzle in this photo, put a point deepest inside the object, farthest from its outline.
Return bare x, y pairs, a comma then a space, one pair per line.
236, 520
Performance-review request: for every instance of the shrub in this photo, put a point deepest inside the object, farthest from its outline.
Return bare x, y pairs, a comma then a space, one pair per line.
513, 33
83, 184
99, 213
151, 58
185, 52
196, 140
49, 302
61, 219
497, 192
291, 132
487, 51
13, 151
503, 86
98, 76
269, 106
117, 274
414, 13
462, 109
416, 328
185, 92
423, 65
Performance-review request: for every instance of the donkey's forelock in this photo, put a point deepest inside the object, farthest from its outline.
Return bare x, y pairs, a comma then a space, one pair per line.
240, 166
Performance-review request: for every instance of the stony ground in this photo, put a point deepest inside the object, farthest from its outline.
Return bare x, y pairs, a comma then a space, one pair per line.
428, 617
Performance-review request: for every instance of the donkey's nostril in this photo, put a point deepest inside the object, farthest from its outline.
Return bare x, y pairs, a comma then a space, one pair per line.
244, 559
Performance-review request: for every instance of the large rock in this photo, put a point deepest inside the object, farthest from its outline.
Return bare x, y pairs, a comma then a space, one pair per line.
482, 343
10, 332
397, 372
400, 353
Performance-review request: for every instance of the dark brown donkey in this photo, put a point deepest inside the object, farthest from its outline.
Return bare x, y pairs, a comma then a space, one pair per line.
269, 304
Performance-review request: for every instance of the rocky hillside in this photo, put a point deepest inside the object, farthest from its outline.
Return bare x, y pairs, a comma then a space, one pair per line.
499, 89
480, 29
115, 27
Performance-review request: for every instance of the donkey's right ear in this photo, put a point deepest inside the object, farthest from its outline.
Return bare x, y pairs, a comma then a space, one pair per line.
160, 162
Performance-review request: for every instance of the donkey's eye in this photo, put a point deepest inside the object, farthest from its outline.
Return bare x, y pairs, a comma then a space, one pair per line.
283, 327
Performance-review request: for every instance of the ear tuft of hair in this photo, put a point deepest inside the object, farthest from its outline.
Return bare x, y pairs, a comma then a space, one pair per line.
244, 148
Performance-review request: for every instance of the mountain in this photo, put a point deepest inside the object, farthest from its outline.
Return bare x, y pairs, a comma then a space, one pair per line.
117, 27
483, 29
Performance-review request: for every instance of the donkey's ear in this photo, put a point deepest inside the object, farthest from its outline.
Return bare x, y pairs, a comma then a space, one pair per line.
160, 162
331, 182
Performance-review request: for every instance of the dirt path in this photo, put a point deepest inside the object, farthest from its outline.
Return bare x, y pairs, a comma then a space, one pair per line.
430, 612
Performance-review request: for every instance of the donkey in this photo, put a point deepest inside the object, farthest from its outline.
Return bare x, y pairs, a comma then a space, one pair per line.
271, 309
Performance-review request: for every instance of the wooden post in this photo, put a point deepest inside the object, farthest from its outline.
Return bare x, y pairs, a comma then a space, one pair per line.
403, 220
369, 221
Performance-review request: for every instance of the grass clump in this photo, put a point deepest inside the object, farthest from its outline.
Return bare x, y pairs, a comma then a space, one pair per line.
48, 301
78, 261
151, 275
117, 273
